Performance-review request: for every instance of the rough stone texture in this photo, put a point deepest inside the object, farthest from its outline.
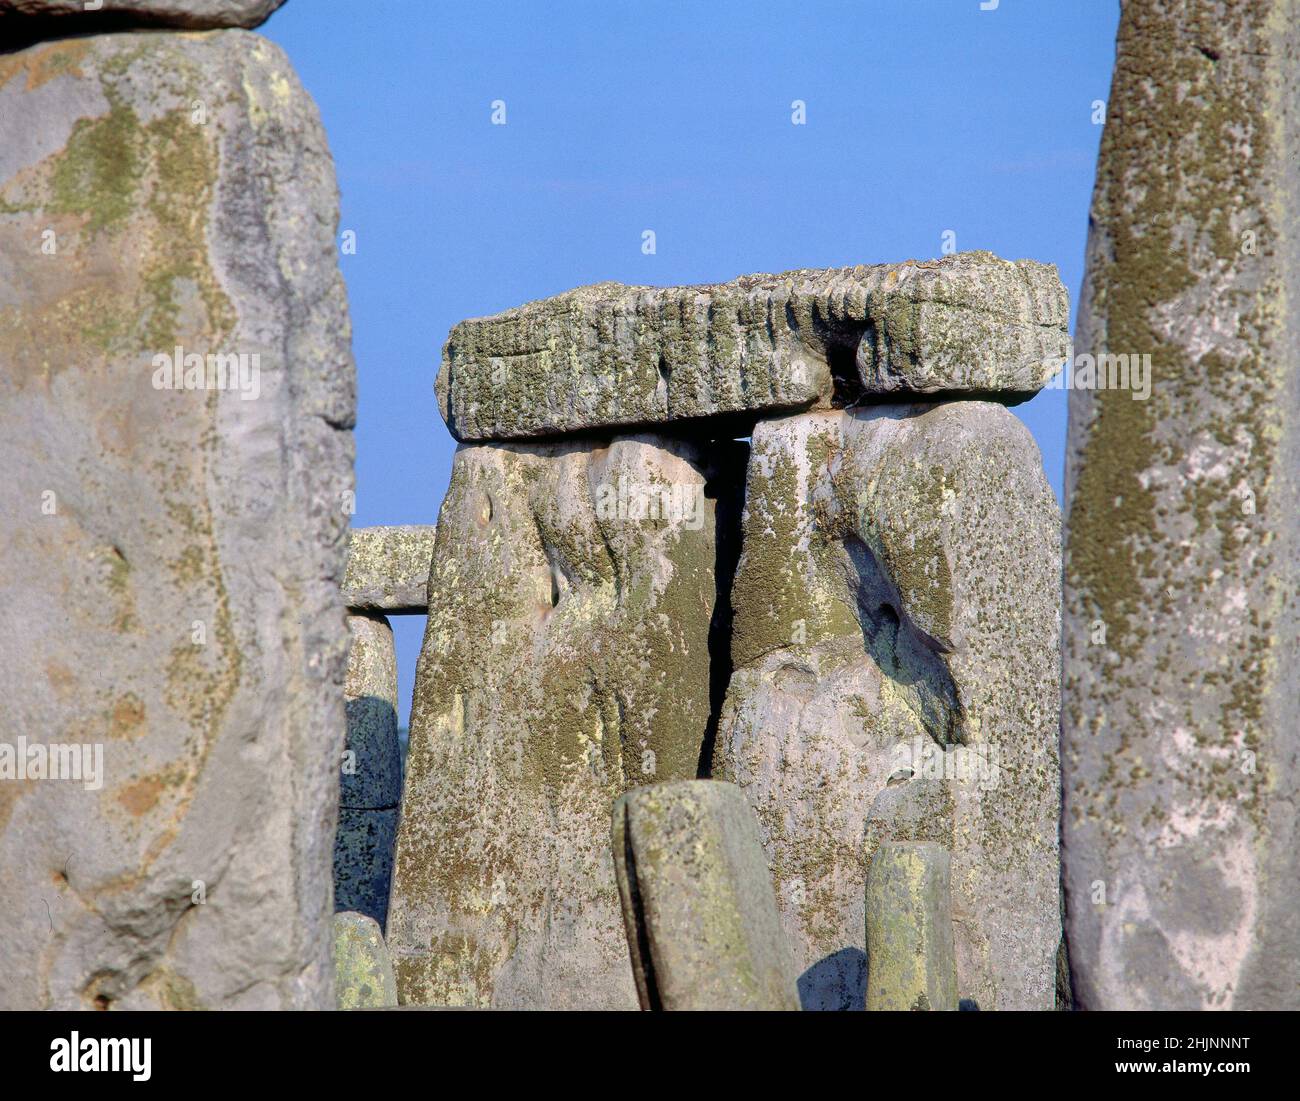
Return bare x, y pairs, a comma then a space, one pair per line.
566, 660
388, 569
910, 960
896, 678
698, 906
1181, 716
24, 20
363, 972
370, 779
610, 356
180, 587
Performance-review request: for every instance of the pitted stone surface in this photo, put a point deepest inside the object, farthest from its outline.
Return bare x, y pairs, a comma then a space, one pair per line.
388, 569
1181, 714
702, 926
896, 660
566, 660
611, 356
180, 550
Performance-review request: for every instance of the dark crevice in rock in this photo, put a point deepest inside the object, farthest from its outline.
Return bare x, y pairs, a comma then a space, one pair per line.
726, 488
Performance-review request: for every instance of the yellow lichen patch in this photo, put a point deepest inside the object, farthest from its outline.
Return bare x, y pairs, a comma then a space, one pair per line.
42, 64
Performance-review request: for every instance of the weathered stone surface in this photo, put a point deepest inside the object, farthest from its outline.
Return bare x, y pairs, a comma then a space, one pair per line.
610, 356
566, 660
910, 959
370, 778
895, 647
698, 906
363, 971
388, 569
363, 861
1181, 715
24, 19
180, 551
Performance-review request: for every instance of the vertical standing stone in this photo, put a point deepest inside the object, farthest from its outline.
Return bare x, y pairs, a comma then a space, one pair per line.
910, 961
176, 396
363, 972
566, 660
896, 675
701, 919
1181, 717
370, 781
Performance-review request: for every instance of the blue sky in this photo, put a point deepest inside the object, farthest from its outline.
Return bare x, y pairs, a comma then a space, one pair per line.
923, 116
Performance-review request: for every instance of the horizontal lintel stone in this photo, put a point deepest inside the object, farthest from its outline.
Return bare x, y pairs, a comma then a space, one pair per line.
388, 569
614, 356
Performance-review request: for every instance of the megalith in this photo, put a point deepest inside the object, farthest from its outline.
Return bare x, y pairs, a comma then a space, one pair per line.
566, 659
896, 663
370, 776
1180, 714
703, 930
611, 356
176, 403
911, 963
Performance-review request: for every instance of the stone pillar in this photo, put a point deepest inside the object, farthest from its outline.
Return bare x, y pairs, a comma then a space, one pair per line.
910, 960
895, 646
370, 780
698, 905
176, 398
566, 660
1181, 714
363, 972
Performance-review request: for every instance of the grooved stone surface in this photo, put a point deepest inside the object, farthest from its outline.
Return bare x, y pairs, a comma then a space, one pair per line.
180, 550
566, 660
896, 678
1181, 712
388, 569
698, 905
609, 355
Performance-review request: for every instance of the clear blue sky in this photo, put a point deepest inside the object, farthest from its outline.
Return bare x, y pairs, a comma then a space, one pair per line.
674, 115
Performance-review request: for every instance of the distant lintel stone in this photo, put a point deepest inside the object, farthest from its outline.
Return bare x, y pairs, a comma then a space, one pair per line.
388, 569
32, 19
609, 355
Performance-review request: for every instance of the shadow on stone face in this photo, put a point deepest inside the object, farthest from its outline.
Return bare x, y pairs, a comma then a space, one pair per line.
914, 661
837, 982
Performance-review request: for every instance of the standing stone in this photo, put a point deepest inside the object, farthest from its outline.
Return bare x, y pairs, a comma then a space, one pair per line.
896, 667
910, 961
363, 972
172, 556
370, 780
610, 356
566, 660
388, 569
698, 906
1181, 717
